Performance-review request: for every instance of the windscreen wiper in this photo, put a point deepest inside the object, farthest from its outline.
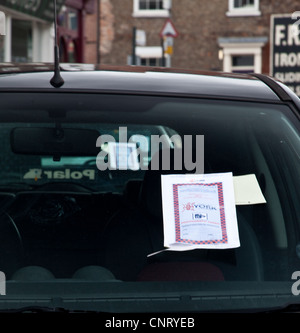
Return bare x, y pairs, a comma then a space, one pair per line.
35, 309
43, 309
286, 308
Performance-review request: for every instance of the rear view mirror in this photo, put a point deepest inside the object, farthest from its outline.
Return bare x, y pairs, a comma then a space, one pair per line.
55, 142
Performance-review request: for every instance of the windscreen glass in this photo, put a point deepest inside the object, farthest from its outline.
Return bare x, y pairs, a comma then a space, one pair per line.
161, 197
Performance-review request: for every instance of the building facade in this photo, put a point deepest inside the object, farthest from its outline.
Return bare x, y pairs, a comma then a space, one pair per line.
229, 35
72, 21
29, 30
223, 35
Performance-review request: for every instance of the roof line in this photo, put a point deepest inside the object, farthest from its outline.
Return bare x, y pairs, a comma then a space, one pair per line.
172, 70
143, 93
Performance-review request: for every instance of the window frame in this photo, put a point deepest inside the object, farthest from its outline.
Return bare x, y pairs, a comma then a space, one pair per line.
243, 11
137, 12
229, 52
235, 46
152, 52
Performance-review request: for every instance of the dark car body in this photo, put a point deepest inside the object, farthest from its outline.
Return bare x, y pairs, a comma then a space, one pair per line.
75, 230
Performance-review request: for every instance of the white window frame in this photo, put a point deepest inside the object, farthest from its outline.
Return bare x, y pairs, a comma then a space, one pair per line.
232, 49
152, 52
137, 12
243, 11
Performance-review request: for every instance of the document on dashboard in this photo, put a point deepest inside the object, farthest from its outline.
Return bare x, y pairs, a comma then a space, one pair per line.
199, 212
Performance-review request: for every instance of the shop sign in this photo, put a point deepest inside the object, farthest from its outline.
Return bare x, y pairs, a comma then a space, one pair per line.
285, 54
42, 9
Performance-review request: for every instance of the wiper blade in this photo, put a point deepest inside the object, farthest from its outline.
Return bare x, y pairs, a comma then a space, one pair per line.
46, 309
35, 309
287, 308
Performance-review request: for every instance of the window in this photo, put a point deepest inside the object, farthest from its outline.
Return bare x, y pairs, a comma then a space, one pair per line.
152, 56
68, 22
87, 231
151, 4
68, 18
151, 8
21, 47
242, 55
242, 60
243, 3
26, 40
151, 62
242, 63
243, 8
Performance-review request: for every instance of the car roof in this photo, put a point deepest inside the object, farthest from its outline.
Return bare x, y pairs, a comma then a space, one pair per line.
141, 80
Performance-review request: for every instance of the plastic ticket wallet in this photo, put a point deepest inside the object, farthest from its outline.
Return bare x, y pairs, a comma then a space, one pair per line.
199, 211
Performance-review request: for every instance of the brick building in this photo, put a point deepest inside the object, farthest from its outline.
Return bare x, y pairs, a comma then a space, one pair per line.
230, 35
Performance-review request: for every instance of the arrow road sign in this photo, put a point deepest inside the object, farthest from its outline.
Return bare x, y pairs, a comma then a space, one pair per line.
168, 30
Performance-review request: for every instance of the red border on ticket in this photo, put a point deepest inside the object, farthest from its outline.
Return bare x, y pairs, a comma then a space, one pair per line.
224, 239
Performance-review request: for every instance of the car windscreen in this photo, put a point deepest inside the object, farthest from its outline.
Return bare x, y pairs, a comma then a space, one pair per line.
86, 206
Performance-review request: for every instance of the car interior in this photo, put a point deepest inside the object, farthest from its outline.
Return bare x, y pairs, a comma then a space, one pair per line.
63, 218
